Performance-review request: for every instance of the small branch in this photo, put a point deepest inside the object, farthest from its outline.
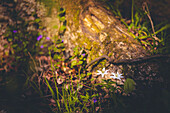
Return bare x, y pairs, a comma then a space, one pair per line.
146, 9
127, 61
97, 59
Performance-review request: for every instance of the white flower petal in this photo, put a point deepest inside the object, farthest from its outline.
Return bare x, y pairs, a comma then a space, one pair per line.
102, 75
113, 74
112, 77
99, 72
103, 72
116, 76
106, 71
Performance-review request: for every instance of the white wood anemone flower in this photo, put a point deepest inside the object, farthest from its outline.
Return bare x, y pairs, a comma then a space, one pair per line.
116, 76
103, 72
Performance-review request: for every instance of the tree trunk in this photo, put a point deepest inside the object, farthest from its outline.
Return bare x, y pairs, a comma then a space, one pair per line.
91, 26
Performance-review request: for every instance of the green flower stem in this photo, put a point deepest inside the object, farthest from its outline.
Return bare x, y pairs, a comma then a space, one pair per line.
58, 103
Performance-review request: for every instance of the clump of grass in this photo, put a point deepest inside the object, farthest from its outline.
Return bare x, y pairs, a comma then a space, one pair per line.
71, 87
66, 83
141, 28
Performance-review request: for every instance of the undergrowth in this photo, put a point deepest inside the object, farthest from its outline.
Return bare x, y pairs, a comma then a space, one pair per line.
65, 82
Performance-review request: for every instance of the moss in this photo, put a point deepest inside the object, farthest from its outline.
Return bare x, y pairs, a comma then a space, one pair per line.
97, 32
73, 10
76, 19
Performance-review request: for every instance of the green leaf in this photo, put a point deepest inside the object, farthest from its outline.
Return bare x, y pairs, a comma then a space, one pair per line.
37, 20
57, 50
94, 95
136, 37
61, 11
17, 57
163, 28
143, 28
80, 62
92, 79
131, 34
45, 45
14, 45
122, 20
5, 46
89, 73
62, 19
16, 37
130, 26
9, 39
62, 28
143, 42
73, 63
55, 57
55, 27
129, 85
137, 19
41, 53
25, 50
6, 53
143, 37
50, 88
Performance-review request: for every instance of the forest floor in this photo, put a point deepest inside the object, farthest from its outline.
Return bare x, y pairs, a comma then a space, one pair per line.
26, 100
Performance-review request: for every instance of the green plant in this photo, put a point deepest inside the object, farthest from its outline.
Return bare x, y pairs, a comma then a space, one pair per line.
76, 92
68, 98
143, 30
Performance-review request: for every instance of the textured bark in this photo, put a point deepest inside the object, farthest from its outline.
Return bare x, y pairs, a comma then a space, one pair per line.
98, 30
93, 26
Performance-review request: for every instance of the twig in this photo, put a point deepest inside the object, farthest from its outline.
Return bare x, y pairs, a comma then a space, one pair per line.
127, 61
146, 9
97, 59
32, 59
